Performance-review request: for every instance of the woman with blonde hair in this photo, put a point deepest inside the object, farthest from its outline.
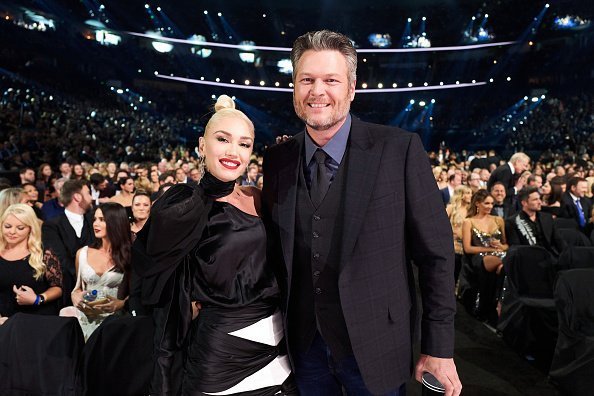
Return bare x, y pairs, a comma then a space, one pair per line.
30, 277
11, 195
207, 249
457, 211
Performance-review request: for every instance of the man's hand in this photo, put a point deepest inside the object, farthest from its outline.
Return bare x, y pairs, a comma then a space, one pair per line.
442, 369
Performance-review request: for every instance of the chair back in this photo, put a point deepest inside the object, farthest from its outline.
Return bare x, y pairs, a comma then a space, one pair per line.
575, 257
530, 270
574, 237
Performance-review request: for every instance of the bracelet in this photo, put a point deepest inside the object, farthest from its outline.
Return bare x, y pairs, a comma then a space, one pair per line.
36, 300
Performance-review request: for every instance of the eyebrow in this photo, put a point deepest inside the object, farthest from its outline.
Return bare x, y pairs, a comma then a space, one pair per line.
228, 134
305, 74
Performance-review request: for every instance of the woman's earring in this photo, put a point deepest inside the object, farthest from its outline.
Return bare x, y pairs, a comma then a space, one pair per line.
202, 164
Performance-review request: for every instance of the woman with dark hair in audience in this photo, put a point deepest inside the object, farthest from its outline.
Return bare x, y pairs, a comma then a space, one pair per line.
103, 266
31, 198
43, 181
30, 278
457, 211
141, 209
483, 239
78, 172
124, 198
552, 200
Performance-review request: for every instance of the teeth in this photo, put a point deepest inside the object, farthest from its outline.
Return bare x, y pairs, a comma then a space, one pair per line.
318, 105
229, 163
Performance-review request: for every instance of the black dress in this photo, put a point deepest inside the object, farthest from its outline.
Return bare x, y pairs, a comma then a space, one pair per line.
20, 273
220, 254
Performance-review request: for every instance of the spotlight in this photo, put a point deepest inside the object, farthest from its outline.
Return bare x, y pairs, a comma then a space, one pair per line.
276, 84
201, 78
425, 83
364, 60
147, 6
474, 18
220, 14
432, 100
263, 15
508, 79
474, 81
214, 96
491, 80
410, 85
542, 96
233, 97
525, 97
205, 12
120, 91
422, 103
217, 79
364, 85
247, 82
380, 85
412, 101
262, 83
457, 82
156, 73
291, 85
486, 15
534, 99
139, 70
441, 83
159, 9
547, 5
232, 81
423, 19
409, 19
530, 43
394, 85
495, 62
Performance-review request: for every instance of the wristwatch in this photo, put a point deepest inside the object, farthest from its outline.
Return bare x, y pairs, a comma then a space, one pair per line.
41, 299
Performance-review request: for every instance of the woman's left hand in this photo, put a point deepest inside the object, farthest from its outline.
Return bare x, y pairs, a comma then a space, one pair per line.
24, 295
112, 305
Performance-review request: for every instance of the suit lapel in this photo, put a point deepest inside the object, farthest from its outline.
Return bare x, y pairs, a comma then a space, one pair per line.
287, 199
363, 162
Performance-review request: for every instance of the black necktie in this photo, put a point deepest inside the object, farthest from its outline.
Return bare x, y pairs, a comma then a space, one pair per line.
320, 183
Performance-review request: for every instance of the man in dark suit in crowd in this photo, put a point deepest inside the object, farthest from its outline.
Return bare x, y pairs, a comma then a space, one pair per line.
575, 205
501, 207
447, 192
509, 175
532, 227
70, 231
348, 205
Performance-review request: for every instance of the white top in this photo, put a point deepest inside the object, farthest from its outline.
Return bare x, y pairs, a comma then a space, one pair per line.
76, 220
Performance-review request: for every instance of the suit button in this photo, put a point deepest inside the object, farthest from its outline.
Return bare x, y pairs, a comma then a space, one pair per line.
316, 273
316, 255
316, 217
318, 290
316, 235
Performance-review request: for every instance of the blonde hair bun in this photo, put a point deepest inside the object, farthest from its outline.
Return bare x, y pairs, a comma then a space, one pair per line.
224, 102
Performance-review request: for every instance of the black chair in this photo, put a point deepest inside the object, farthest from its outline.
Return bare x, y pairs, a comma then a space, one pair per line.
574, 237
118, 358
564, 223
575, 257
572, 367
39, 355
528, 319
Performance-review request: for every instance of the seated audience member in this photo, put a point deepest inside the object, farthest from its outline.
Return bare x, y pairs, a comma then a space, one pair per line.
454, 181
27, 175
124, 198
10, 196
501, 207
535, 181
484, 241
103, 266
195, 175
251, 177
141, 209
44, 174
70, 231
53, 207
165, 179
575, 205
474, 181
457, 211
31, 198
78, 172
531, 226
100, 189
30, 277
154, 178
551, 201
65, 170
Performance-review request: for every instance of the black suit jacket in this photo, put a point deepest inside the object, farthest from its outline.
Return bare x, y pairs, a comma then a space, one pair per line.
569, 211
58, 235
503, 174
445, 195
393, 213
551, 234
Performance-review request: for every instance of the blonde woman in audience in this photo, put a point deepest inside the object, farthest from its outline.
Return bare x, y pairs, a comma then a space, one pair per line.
457, 211
30, 277
10, 196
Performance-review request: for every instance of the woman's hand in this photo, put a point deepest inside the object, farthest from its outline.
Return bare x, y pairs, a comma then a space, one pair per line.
112, 305
77, 299
24, 295
496, 243
196, 307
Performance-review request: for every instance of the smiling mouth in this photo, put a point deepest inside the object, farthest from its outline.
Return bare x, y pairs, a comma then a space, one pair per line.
230, 164
318, 105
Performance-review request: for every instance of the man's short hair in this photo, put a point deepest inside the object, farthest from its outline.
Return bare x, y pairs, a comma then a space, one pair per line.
323, 40
452, 177
532, 178
165, 175
25, 169
96, 179
70, 188
574, 182
524, 193
519, 156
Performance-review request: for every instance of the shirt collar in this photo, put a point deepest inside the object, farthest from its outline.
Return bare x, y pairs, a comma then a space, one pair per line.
73, 216
335, 148
574, 198
512, 168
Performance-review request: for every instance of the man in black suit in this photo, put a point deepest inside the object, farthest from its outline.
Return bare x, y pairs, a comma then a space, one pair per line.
509, 175
447, 192
531, 226
575, 205
348, 205
501, 207
70, 231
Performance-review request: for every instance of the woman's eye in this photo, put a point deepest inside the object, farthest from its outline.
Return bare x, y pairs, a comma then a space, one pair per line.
246, 145
221, 139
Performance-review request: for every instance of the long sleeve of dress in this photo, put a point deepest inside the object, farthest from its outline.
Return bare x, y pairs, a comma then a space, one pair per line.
161, 249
